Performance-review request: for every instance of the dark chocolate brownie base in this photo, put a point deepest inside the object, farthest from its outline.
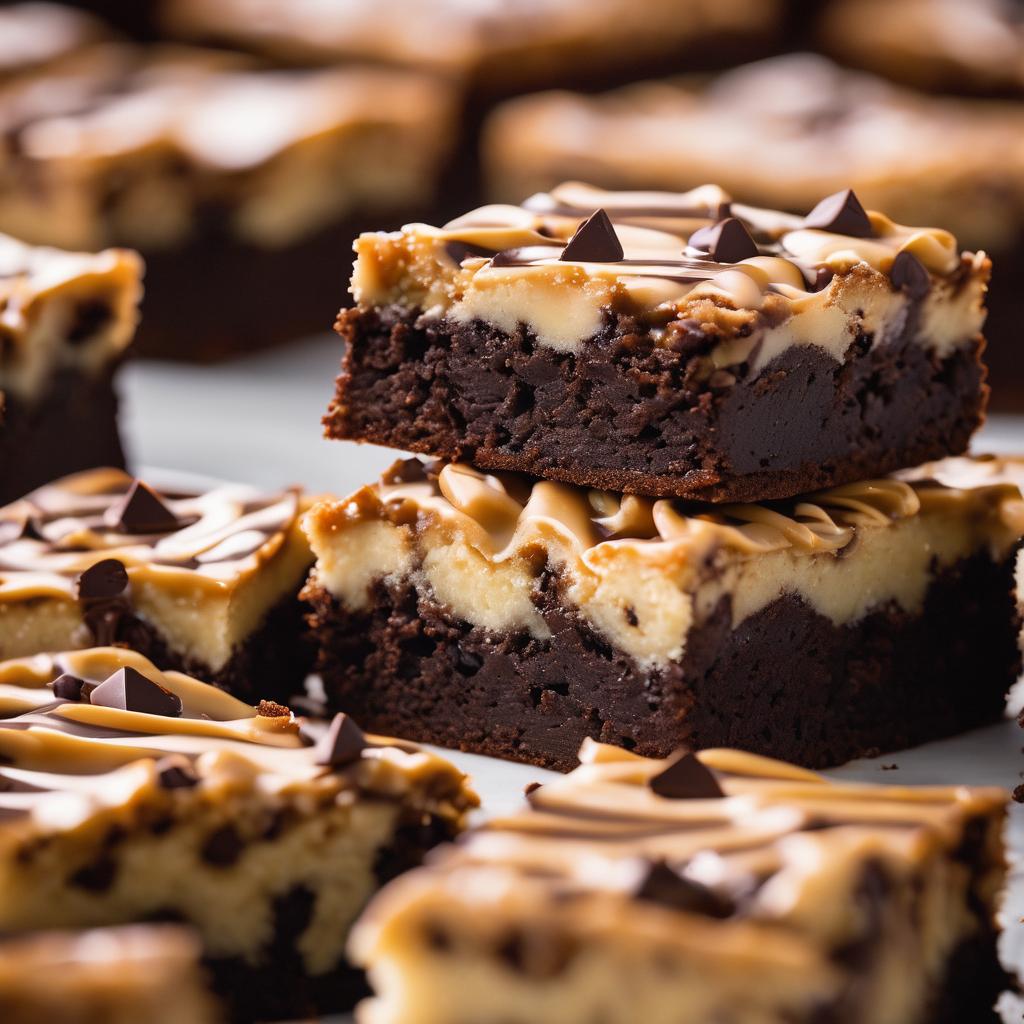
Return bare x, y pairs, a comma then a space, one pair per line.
74, 427
271, 664
625, 415
786, 683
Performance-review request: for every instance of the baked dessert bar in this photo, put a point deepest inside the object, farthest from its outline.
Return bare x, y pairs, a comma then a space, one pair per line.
491, 48
666, 344
816, 128
238, 185
114, 975
206, 582
66, 320
516, 617
681, 891
129, 794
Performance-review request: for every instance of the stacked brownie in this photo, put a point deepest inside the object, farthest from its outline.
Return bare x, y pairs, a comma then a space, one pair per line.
670, 505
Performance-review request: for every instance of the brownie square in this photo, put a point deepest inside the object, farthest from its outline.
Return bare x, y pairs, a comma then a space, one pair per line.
129, 795
66, 321
706, 887
675, 345
516, 617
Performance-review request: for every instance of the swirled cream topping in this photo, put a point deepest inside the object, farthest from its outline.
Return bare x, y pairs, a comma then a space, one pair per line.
203, 568
127, 792
63, 310
734, 863
795, 280
645, 571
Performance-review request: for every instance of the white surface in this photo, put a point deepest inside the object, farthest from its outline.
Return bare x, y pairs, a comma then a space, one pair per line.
257, 420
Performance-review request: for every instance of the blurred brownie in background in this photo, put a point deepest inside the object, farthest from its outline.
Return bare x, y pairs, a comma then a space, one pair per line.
960, 46
784, 132
121, 975
492, 47
243, 188
36, 35
66, 320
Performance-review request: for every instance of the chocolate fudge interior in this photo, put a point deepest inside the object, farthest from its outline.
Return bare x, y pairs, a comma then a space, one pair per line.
243, 187
667, 344
206, 582
701, 888
124, 975
517, 617
131, 795
66, 320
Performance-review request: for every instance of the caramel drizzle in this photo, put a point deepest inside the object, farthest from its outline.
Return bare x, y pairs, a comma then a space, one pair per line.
53, 534
50, 746
589, 830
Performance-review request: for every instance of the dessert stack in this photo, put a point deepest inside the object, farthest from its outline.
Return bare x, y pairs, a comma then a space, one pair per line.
680, 498
675, 502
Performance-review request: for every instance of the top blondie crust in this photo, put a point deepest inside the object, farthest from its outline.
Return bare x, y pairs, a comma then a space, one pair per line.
494, 43
662, 343
206, 581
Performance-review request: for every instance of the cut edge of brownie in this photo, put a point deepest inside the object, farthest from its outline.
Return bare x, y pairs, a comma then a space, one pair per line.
407, 667
626, 415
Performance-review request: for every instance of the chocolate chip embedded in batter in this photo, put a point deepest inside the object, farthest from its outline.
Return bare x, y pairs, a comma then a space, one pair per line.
176, 773
595, 241
343, 743
129, 690
100, 582
223, 847
660, 884
910, 275
141, 511
842, 214
686, 778
728, 241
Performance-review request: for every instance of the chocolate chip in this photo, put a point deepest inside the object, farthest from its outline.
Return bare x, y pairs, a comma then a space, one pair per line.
458, 251
822, 279
68, 687
98, 877
728, 241
660, 884
342, 744
223, 847
129, 690
595, 241
140, 510
909, 275
842, 214
101, 582
531, 788
176, 773
686, 778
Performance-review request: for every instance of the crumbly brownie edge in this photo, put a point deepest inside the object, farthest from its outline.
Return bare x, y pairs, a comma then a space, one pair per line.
786, 683
629, 416
73, 427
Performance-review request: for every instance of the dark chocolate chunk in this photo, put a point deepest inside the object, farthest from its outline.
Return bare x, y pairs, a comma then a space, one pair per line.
458, 251
822, 279
660, 884
728, 241
223, 847
176, 773
104, 580
595, 241
910, 275
342, 744
68, 687
129, 690
841, 213
531, 788
686, 778
141, 511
